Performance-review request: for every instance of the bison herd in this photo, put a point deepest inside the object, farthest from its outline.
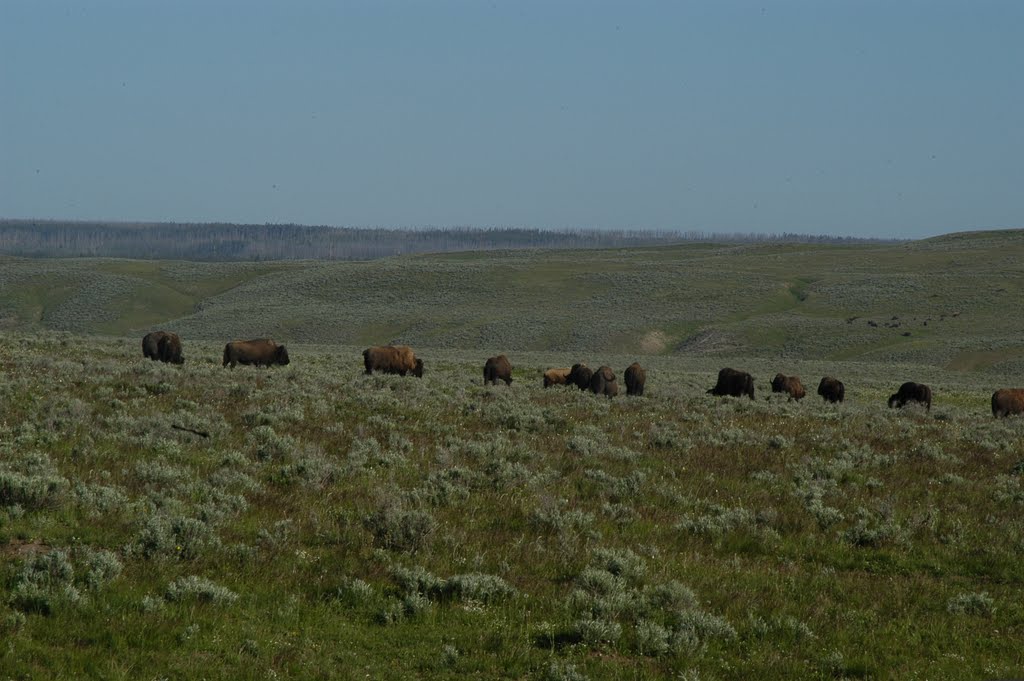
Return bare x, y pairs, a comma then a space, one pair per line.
400, 359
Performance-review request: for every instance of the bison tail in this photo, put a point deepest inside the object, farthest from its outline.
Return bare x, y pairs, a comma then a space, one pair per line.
227, 355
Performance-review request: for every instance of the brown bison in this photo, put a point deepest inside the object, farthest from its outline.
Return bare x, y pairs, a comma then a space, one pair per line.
789, 384
498, 368
1007, 402
260, 351
734, 383
580, 375
831, 389
635, 377
392, 359
556, 377
602, 382
162, 345
912, 392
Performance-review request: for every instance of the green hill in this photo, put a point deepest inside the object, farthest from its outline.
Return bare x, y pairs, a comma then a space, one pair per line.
944, 301
312, 522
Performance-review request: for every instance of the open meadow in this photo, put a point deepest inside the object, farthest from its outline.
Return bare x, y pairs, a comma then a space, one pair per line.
309, 521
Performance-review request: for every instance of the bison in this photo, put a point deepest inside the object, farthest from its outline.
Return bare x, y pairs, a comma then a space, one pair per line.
580, 375
789, 384
162, 345
392, 359
260, 351
169, 349
734, 383
498, 368
912, 392
635, 377
831, 389
602, 382
556, 377
1007, 402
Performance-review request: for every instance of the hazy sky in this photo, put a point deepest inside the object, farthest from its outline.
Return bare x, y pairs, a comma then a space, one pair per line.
854, 117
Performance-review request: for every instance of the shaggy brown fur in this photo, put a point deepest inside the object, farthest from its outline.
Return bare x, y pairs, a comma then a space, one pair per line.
635, 378
169, 349
790, 385
602, 382
734, 383
162, 345
1007, 402
580, 376
831, 389
392, 359
556, 377
498, 368
912, 392
260, 351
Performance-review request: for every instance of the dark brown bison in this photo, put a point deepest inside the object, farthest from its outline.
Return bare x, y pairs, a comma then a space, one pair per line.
392, 359
169, 349
635, 377
603, 382
162, 345
556, 377
734, 383
580, 375
1007, 402
260, 351
912, 392
498, 368
789, 384
831, 389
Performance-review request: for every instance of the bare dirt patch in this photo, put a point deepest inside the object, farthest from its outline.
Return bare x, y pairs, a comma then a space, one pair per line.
654, 343
23, 548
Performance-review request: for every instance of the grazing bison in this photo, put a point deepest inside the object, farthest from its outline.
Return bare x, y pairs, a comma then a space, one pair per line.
734, 383
602, 382
831, 389
169, 349
1007, 402
498, 368
162, 345
912, 392
260, 351
790, 385
580, 376
556, 377
392, 359
635, 377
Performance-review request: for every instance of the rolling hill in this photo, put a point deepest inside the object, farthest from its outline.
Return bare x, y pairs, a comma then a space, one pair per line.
945, 301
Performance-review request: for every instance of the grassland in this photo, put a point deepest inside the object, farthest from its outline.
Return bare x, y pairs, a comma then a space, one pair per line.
946, 302
309, 521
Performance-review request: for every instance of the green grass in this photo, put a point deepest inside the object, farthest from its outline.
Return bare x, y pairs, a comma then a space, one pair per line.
952, 295
335, 525
798, 539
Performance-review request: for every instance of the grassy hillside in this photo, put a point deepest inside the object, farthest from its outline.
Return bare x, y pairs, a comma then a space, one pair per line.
311, 522
947, 302
334, 525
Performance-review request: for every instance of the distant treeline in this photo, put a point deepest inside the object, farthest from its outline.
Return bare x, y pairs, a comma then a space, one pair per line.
220, 242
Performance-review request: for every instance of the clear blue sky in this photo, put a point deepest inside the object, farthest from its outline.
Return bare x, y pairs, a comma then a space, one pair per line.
856, 117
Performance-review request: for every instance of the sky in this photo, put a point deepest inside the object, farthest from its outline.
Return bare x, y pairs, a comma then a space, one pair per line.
855, 117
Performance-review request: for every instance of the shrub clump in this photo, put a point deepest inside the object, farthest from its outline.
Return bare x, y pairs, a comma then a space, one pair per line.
980, 604
400, 529
51, 579
611, 599
474, 586
200, 589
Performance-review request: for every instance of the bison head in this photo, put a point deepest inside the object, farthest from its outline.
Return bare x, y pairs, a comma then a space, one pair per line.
418, 371
281, 355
